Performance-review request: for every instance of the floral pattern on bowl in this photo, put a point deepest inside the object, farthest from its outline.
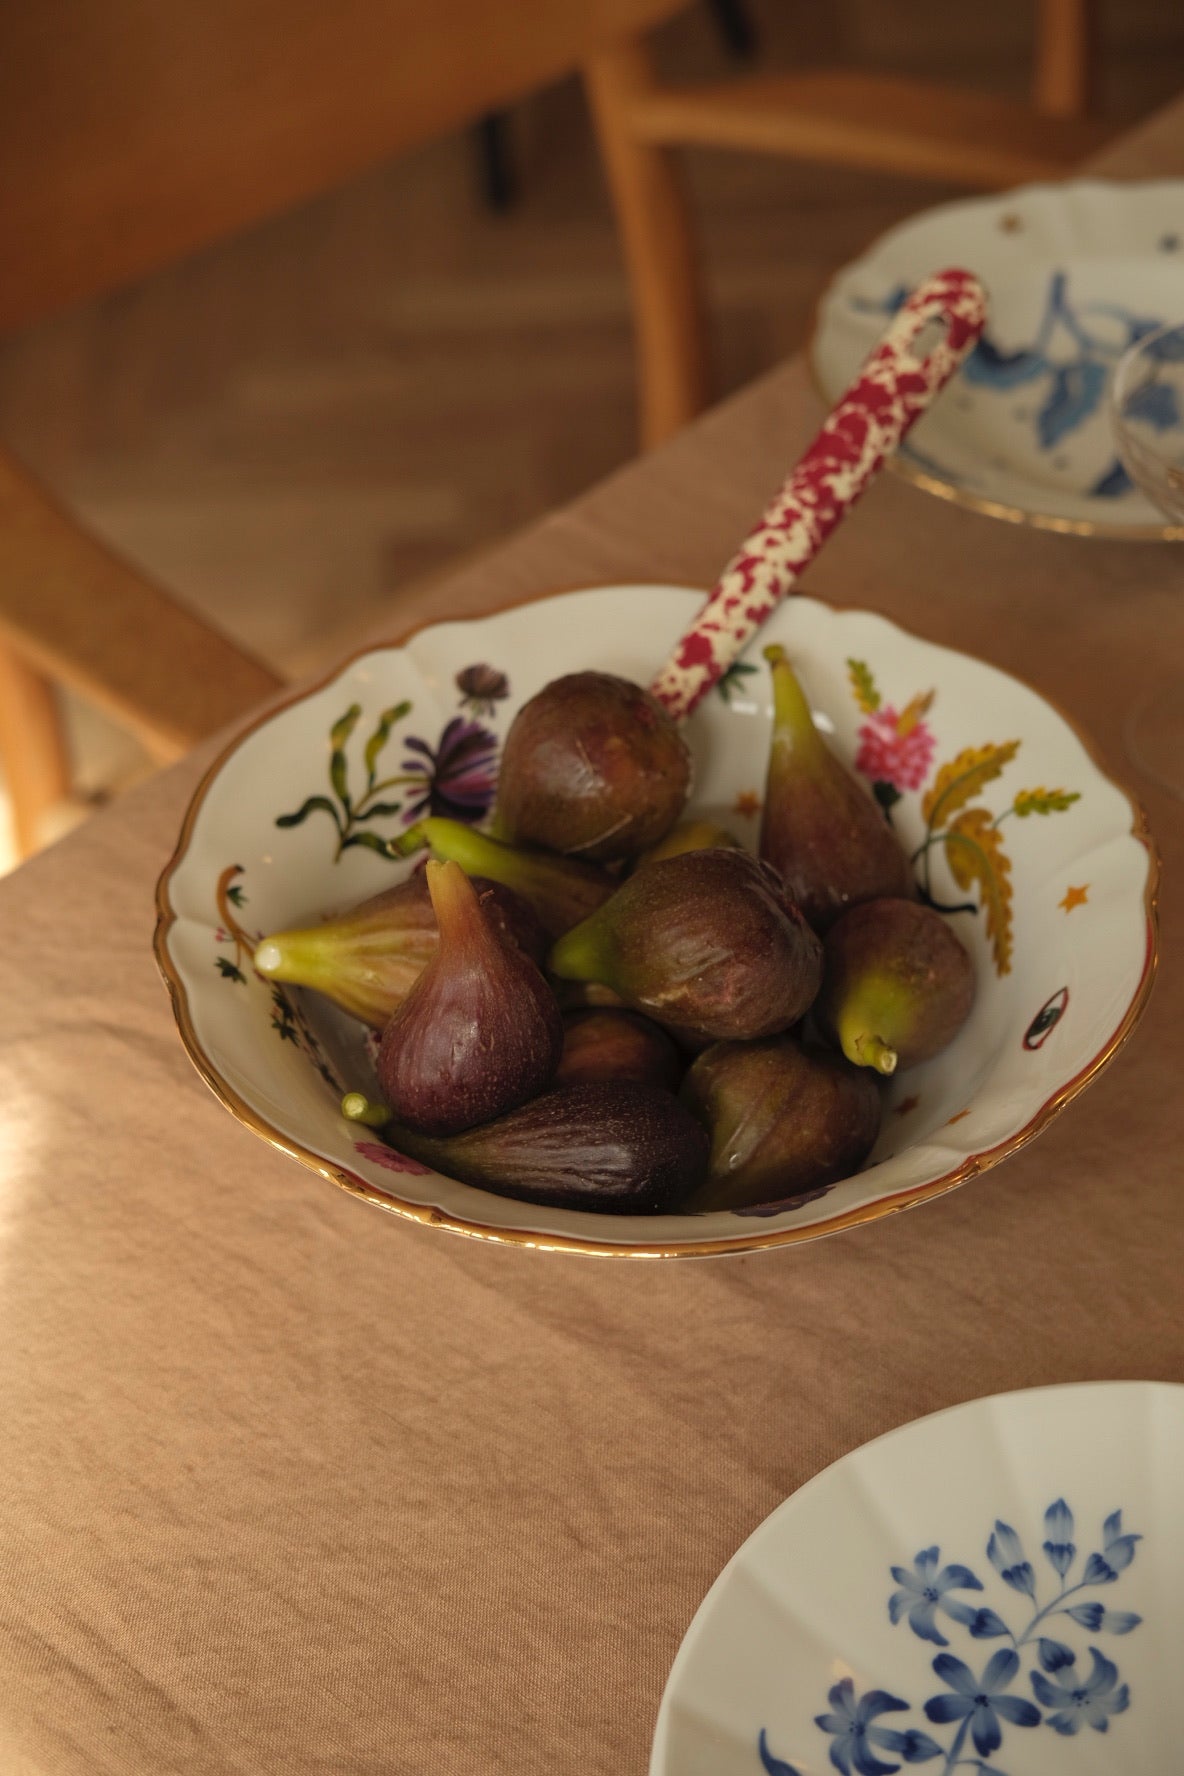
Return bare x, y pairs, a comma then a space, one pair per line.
850, 1634
1076, 273
293, 823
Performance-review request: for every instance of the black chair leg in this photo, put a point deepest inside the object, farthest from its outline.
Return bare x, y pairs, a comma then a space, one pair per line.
499, 183
735, 26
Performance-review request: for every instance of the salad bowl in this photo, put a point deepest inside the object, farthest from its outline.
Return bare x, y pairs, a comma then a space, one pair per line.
1042, 865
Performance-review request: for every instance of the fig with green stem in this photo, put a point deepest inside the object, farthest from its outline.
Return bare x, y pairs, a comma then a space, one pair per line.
897, 985
561, 890
708, 944
610, 1146
479, 1032
368, 959
593, 767
820, 829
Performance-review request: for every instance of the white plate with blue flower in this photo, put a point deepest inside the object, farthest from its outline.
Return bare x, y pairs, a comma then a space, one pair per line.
997, 1589
1075, 273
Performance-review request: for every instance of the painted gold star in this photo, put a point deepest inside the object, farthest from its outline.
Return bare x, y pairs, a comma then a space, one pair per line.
1074, 897
907, 1104
748, 803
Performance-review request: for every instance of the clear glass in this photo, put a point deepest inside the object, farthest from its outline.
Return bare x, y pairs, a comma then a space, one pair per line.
1147, 415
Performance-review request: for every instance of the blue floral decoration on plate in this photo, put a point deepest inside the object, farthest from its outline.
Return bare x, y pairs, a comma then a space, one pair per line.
981, 1703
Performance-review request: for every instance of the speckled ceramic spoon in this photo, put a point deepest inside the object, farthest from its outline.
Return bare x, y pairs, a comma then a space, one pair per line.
892, 390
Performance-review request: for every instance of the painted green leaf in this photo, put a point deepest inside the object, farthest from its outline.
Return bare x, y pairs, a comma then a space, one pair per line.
236, 895
382, 734
316, 801
864, 686
228, 971
380, 808
372, 842
1044, 801
733, 679
344, 726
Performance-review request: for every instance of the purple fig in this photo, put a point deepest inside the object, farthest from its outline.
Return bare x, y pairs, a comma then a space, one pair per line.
368, 959
707, 944
592, 766
617, 1045
613, 1146
785, 1122
560, 890
480, 1030
897, 984
821, 830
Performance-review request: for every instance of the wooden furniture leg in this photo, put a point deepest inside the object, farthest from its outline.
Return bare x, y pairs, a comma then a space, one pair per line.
33, 752
659, 251
1063, 70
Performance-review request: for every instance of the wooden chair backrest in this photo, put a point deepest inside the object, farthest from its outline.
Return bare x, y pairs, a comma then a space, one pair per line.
135, 131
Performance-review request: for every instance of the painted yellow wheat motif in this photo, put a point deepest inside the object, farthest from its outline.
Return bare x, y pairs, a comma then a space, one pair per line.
968, 836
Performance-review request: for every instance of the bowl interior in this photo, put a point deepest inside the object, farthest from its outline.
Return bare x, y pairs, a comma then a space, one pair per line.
1014, 830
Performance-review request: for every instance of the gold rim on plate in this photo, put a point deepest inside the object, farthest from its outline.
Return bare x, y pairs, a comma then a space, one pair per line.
756, 1240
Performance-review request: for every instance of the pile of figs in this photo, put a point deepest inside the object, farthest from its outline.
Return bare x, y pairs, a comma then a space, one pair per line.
600, 1005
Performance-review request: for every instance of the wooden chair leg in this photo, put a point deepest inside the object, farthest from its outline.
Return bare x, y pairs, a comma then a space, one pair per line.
1064, 65
33, 749
659, 252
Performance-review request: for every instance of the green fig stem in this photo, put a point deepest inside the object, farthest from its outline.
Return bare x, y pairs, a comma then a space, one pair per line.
576, 956
868, 1051
408, 843
356, 1107
792, 720
453, 897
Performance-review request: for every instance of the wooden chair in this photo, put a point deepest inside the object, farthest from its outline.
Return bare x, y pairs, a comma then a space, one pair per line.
133, 133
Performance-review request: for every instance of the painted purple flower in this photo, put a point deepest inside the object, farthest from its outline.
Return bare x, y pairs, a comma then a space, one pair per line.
458, 778
386, 1156
481, 687
895, 748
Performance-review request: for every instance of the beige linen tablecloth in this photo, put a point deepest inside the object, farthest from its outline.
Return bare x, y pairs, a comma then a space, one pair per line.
290, 1486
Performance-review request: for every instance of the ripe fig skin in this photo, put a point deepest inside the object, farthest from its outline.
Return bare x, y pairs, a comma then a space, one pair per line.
479, 1032
561, 891
820, 829
592, 767
612, 1146
707, 944
897, 985
366, 960
785, 1122
606, 1044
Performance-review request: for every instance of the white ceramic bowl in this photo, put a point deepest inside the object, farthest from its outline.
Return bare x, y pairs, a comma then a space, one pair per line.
1010, 817
1075, 273
998, 1588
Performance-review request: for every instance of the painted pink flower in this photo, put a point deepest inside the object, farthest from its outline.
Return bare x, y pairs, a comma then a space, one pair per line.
896, 749
386, 1156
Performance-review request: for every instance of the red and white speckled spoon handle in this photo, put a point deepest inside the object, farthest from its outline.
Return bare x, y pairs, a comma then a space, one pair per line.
889, 395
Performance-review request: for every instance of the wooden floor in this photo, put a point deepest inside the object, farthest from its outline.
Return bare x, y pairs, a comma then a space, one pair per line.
293, 426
